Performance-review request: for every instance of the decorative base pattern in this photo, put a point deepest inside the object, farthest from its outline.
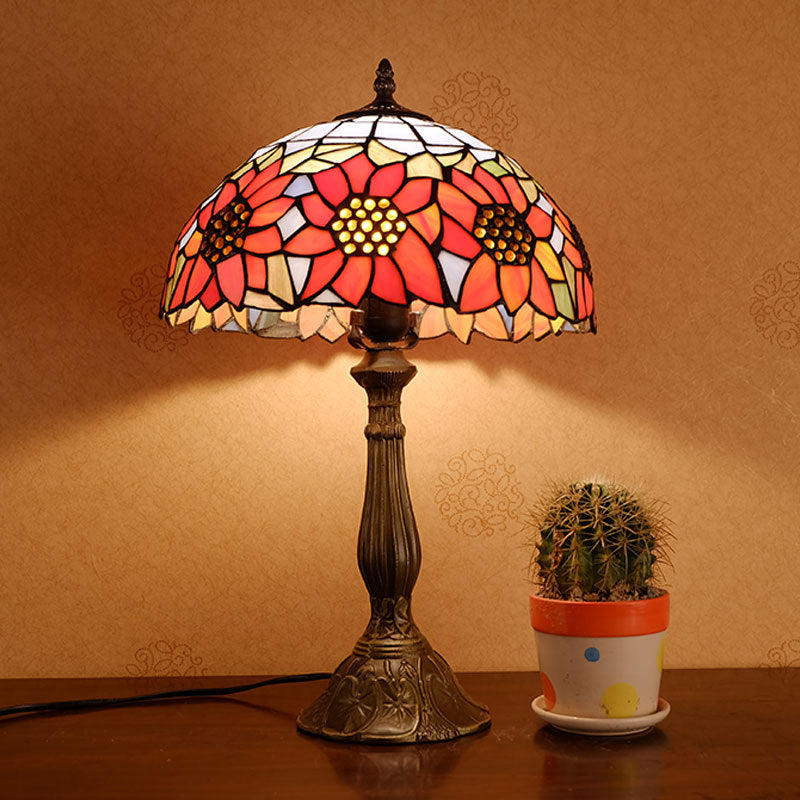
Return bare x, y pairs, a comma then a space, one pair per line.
402, 699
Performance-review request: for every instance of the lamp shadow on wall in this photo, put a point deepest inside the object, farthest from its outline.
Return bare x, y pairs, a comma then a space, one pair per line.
130, 353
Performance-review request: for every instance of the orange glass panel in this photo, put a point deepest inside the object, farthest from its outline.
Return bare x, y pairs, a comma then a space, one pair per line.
511, 186
433, 323
193, 245
310, 319
353, 280
266, 241
316, 210
541, 296
523, 322
418, 267
515, 283
480, 289
491, 184
230, 274
358, 171
271, 211
387, 283
310, 241
571, 252
323, 269
414, 195
540, 223
199, 274
427, 223
549, 261
470, 187
262, 179
458, 241
256, 272
491, 324
459, 324
185, 228
270, 191
457, 205
225, 196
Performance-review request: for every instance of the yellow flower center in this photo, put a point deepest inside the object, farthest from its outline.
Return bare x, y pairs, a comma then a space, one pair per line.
504, 234
367, 226
223, 236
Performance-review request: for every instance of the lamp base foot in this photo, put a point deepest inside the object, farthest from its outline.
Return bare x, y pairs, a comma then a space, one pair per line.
413, 697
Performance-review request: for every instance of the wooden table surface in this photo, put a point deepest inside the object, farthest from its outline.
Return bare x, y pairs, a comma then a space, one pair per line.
731, 734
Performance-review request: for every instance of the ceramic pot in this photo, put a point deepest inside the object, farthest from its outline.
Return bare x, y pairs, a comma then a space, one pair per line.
600, 659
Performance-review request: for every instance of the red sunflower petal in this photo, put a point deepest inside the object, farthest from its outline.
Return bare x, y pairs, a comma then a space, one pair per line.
427, 223
387, 180
200, 274
173, 260
310, 241
266, 241
332, 185
387, 282
211, 297
230, 274
455, 203
353, 280
227, 194
572, 253
204, 216
470, 187
512, 187
358, 171
262, 179
256, 271
515, 283
491, 184
541, 296
270, 191
480, 288
589, 292
457, 240
270, 211
414, 195
323, 269
316, 210
579, 290
418, 268
540, 222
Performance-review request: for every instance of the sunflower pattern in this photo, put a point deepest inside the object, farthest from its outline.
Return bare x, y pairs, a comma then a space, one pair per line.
398, 207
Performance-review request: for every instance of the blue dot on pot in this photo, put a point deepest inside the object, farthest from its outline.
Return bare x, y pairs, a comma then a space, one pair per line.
591, 654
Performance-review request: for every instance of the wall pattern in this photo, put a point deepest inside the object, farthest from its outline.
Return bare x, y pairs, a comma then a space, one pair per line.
479, 494
172, 510
138, 312
480, 104
775, 306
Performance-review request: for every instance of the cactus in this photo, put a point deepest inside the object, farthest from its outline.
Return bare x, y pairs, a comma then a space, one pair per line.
598, 541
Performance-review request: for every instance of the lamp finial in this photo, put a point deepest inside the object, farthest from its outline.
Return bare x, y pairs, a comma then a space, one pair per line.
384, 84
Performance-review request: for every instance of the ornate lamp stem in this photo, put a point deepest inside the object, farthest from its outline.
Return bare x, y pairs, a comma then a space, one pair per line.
394, 687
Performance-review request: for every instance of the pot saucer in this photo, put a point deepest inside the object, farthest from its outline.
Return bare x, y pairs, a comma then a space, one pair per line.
596, 726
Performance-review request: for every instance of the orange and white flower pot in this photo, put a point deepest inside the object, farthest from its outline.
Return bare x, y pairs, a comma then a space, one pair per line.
600, 659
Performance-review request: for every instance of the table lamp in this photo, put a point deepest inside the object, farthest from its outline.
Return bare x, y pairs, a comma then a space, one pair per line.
392, 228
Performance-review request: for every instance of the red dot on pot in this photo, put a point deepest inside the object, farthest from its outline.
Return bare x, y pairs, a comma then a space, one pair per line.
549, 692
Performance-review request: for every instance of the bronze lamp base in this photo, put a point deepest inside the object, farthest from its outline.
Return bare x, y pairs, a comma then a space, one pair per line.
394, 688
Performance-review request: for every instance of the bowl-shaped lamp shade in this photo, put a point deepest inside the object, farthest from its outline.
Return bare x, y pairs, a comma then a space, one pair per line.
388, 205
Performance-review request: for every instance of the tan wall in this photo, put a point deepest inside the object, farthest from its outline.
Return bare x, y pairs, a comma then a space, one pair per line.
177, 504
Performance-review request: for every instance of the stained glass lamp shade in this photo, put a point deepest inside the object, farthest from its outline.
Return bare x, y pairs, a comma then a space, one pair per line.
390, 227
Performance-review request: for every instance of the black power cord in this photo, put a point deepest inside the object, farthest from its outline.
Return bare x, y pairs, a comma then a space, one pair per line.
110, 702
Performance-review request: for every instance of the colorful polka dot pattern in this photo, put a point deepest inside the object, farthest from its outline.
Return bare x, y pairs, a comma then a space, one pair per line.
620, 700
591, 654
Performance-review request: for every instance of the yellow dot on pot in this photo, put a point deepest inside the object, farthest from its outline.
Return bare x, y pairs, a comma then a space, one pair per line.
620, 700
660, 658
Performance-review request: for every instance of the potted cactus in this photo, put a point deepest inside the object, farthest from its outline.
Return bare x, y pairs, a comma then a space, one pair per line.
598, 614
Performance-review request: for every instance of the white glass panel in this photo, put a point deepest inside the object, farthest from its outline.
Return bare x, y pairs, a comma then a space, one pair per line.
437, 134
557, 239
467, 137
329, 298
394, 130
482, 155
410, 148
454, 268
543, 204
298, 267
299, 186
312, 132
351, 129
186, 236
290, 222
